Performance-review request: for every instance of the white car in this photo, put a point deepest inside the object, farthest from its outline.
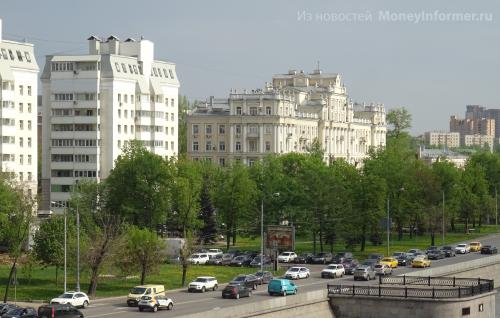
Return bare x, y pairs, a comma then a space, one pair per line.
212, 252
297, 272
383, 269
462, 248
203, 283
333, 271
77, 299
198, 258
287, 257
154, 303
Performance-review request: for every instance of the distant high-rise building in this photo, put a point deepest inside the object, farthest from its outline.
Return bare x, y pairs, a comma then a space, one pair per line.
18, 96
94, 104
445, 139
495, 115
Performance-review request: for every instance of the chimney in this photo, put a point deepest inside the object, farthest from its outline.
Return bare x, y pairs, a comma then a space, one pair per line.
94, 45
114, 45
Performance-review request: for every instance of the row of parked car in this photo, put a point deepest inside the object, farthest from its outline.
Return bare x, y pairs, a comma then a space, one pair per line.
8, 310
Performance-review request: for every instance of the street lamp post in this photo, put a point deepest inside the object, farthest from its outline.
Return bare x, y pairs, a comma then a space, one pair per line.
262, 230
442, 224
77, 248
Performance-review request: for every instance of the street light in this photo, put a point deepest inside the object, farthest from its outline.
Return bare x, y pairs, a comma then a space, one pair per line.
65, 243
277, 194
442, 224
389, 220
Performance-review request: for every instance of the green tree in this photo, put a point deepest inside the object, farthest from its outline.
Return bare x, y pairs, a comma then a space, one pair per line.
236, 197
208, 231
399, 120
141, 251
138, 186
183, 108
17, 209
48, 247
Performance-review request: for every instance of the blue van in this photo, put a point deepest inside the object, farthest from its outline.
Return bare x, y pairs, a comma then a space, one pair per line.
281, 287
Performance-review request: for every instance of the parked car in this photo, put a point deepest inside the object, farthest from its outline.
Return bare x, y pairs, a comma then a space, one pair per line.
212, 252
77, 299
421, 261
449, 251
203, 283
174, 259
5, 307
304, 258
389, 261
340, 257
154, 303
376, 256
414, 252
250, 281
264, 277
333, 271
241, 260
462, 248
383, 269
370, 262
256, 261
198, 258
364, 273
398, 254
287, 257
59, 311
137, 292
430, 249
322, 258
297, 272
28, 312
236, 291
436, 254
489, 249
475, 246
281, 287
227, 258
350, 265
215, 260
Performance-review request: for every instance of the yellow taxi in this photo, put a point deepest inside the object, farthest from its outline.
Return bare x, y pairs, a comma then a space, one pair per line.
389, 261
421, 261
475, 246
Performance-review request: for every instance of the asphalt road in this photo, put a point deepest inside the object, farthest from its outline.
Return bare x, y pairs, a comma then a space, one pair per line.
187, 303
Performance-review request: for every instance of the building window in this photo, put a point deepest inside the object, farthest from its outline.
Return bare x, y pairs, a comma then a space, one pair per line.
195, 146
119, 143
119, 113
29, 142
172, 118
195, 130
27, 56
21, 124
29, 108
268, 129
29, 124
208, 129
119, 128
124, 68
172, 102
171, 74
238, 110
21, 142
268, 146
29, 90
252, 145
171, 145
21, 159
253, 111
29, 159
21, 90
222, 129
222, 162
208, 146
238, 129
117, 67
222, 146
268, 110
238, 146
21, 107
466, 311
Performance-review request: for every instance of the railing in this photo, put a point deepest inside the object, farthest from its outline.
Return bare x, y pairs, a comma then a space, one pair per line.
453, 287
433, 281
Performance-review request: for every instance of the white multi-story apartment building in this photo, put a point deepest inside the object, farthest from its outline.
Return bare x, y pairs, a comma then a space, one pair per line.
478, 140
94, 104
18, 99
437, 138
286, 116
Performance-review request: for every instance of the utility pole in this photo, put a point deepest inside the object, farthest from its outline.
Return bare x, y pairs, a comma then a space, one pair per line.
77, 248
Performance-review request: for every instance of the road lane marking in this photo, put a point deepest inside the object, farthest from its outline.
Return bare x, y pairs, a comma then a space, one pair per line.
108, 314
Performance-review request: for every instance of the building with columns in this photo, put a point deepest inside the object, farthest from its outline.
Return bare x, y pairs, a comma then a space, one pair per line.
288, 115
18, 99
94, 104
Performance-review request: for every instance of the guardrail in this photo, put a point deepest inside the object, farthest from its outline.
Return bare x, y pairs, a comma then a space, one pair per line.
433, 281
460, 287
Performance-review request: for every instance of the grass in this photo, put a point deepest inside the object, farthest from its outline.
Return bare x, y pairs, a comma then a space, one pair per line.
41, 285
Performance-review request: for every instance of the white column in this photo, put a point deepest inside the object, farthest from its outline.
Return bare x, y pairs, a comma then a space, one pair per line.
244, 138
231, 138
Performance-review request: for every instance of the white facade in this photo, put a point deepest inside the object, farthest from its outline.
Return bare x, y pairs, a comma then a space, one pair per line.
18, 100
94, 104
286, 116
478, 140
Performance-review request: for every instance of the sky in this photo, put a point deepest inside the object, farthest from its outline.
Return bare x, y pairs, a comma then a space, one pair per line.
385, 53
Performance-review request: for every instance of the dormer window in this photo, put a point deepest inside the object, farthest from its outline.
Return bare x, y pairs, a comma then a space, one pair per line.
124, 68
